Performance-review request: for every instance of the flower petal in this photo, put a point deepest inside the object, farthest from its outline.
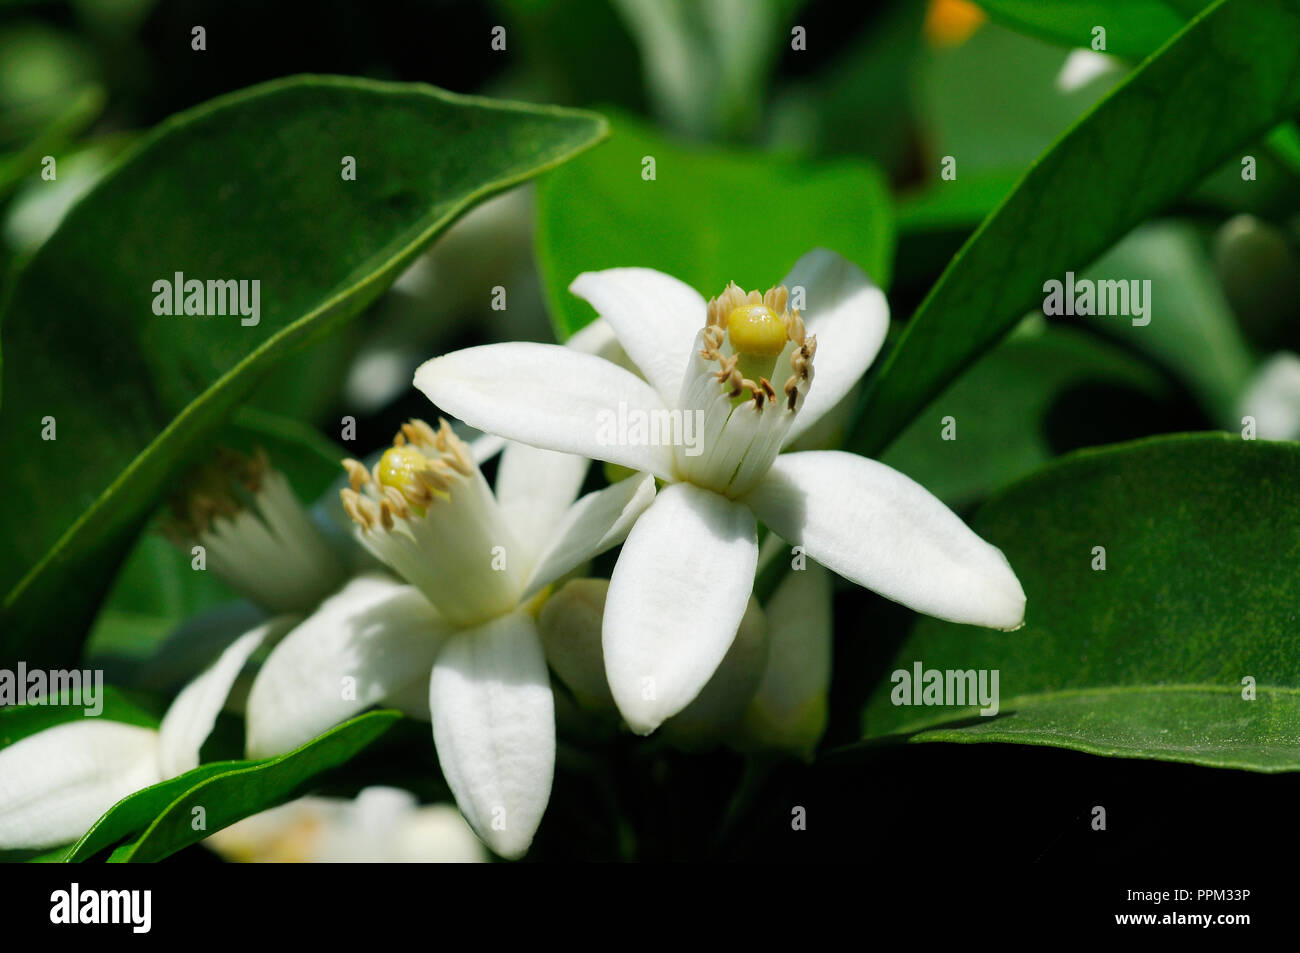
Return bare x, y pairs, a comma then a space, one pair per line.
535, 488
570, 626
708, 720
437, 834
494, 728
547, 396
849, 315
56, 783
1272, 397
790, 708
676, 597
654, 315
366, 642
883, 530
597, 522
599, 338
190, 718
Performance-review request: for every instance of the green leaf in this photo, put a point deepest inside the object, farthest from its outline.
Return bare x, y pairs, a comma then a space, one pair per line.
136, 811
80, 111
960, 203
161, 817
1133, 27
1145, 659
246, 187
1003, 412
1192, 333
1018, 73
1155, 136
19, 721
708, 217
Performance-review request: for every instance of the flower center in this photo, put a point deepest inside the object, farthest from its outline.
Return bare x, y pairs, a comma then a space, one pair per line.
427, 512
750, 340
255, 534
756, 329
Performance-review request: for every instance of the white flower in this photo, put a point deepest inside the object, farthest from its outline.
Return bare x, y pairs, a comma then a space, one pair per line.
770, 690
380, 825
459, 642
745, 363
255, 534
56, 783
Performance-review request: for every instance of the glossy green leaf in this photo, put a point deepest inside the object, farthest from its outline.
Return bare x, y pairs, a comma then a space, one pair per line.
1134, 30
161, 817
1155, 136
995, 103
135, 812
1192, 331
247, 187
707, 217
1015, 409
1147, 658
1133, 27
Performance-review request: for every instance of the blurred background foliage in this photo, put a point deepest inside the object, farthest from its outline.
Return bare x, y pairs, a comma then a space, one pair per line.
776, 124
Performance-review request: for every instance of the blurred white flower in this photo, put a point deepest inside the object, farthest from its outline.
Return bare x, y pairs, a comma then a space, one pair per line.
1272, 397
381, 825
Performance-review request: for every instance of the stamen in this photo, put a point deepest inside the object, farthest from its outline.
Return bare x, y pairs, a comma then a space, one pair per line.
741, 350
255, 532
358, 475
427, 512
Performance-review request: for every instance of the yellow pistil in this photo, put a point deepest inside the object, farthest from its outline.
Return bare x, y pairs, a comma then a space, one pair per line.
418, 469
755, 329
758, 327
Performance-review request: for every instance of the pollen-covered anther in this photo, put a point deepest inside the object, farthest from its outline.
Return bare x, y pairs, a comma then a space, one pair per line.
418, 471
358, 508
358, 475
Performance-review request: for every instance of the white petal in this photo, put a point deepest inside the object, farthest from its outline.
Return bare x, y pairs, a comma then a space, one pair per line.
676, 597
597, 338
654, 315
494, 728
570, 627
1272, 397
190, 718
883, 530
547, 396
1081, 67
708, 720
437, 834
56, 783
535, 488
597, 522
366, 642
790, 708
482, 449
849, 315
